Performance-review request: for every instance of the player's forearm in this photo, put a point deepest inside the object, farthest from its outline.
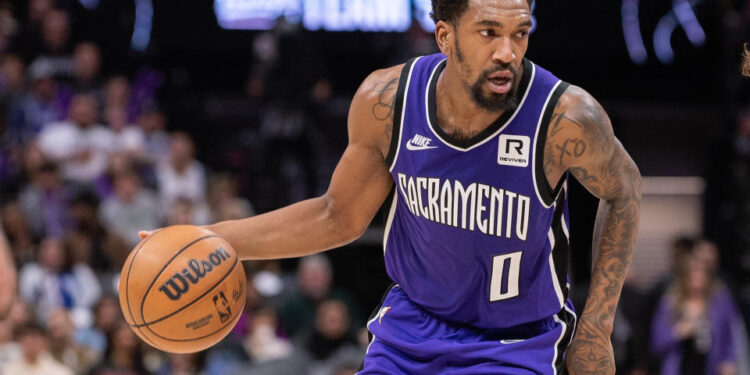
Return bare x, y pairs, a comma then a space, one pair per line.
304, 228
614, 237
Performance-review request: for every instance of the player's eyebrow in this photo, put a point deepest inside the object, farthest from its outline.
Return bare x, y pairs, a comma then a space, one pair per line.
489, 23
492, 23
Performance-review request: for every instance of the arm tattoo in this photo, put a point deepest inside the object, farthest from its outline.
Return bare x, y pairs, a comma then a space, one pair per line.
383, 109
586, 146
557, 117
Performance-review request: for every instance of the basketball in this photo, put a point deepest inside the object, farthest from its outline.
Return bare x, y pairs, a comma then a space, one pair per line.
182, 289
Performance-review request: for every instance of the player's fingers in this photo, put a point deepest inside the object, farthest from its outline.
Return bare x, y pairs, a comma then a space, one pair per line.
145, 233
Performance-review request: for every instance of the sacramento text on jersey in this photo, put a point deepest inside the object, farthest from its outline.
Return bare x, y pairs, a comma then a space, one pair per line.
490, 210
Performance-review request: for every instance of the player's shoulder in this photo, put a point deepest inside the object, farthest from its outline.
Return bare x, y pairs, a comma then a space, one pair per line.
578, 111
380, 84
373, 106
375, 97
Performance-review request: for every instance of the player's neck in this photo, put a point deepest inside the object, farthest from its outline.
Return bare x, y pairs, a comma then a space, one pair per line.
457, 112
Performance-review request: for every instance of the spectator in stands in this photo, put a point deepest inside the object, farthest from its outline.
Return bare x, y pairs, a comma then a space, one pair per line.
117, 93
12, 70
55, 281
224, 202
17, 233
55, 47
263, 342
130, 209
10, 351
63, 346
314, 278
181, 212
84, 222
123, 355
8, 24
45, 202
331, 332
87, 66
182, 364
182, 176
35, 360
43, 104
126, 138
107, 316
20, 313
153, 124
692, 331
81, 145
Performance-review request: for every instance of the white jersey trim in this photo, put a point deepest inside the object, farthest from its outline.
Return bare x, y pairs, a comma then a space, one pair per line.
555, 282
389, 222
536, 136
490, 137
557, 343
403, 113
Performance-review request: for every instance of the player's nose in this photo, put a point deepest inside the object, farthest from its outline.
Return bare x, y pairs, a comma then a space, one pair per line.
503, 52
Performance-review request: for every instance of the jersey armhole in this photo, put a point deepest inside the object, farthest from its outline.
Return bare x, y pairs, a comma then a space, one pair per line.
398, 108
546, 191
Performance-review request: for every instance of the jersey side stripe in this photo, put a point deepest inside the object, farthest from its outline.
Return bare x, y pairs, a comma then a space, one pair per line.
544, 192
555, 278
398, 115
389, 222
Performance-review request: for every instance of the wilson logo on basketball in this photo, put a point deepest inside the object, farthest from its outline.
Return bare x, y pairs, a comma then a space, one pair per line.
180, 282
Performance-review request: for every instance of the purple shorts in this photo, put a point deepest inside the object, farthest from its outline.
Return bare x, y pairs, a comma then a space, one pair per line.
406, 339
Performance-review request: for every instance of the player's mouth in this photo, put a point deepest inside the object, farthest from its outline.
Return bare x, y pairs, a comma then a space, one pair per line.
501, 82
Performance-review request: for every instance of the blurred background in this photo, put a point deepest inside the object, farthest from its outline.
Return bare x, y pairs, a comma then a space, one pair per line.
122, 115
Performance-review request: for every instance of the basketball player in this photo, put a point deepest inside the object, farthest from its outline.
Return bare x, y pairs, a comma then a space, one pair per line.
477, 144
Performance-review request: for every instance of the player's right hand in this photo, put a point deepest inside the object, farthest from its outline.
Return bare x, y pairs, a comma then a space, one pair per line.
145, 233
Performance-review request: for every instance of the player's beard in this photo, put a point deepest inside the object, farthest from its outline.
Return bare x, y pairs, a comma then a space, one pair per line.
491, 101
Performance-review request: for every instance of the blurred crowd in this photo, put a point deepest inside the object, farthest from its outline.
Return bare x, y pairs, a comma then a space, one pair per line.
85, 162
87, 159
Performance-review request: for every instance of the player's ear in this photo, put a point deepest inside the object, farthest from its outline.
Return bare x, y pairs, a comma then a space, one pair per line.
444, 34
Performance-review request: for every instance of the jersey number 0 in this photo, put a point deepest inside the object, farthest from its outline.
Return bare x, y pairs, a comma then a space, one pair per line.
506, 271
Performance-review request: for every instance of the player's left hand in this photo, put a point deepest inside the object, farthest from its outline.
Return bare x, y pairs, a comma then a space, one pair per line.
590, 352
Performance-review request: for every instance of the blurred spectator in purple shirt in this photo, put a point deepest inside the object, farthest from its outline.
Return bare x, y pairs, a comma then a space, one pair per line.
692, 329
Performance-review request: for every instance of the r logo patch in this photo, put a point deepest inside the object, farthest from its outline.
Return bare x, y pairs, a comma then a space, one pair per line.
513, 150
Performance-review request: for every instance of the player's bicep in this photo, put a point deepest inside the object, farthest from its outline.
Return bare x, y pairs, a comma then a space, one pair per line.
586, 146
360, 184
361, 181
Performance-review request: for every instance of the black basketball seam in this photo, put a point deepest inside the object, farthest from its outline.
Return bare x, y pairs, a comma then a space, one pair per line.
236, 261
143, 319
127, 283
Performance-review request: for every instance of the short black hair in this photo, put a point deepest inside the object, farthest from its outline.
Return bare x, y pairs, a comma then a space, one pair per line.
450, 10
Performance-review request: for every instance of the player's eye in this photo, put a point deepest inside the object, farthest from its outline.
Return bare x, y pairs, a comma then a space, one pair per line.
487, 32
522, 34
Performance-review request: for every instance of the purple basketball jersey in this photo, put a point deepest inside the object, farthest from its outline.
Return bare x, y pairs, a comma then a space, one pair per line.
475, 234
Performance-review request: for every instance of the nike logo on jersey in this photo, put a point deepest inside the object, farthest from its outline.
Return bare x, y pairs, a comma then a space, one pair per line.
511, 341
419, 142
